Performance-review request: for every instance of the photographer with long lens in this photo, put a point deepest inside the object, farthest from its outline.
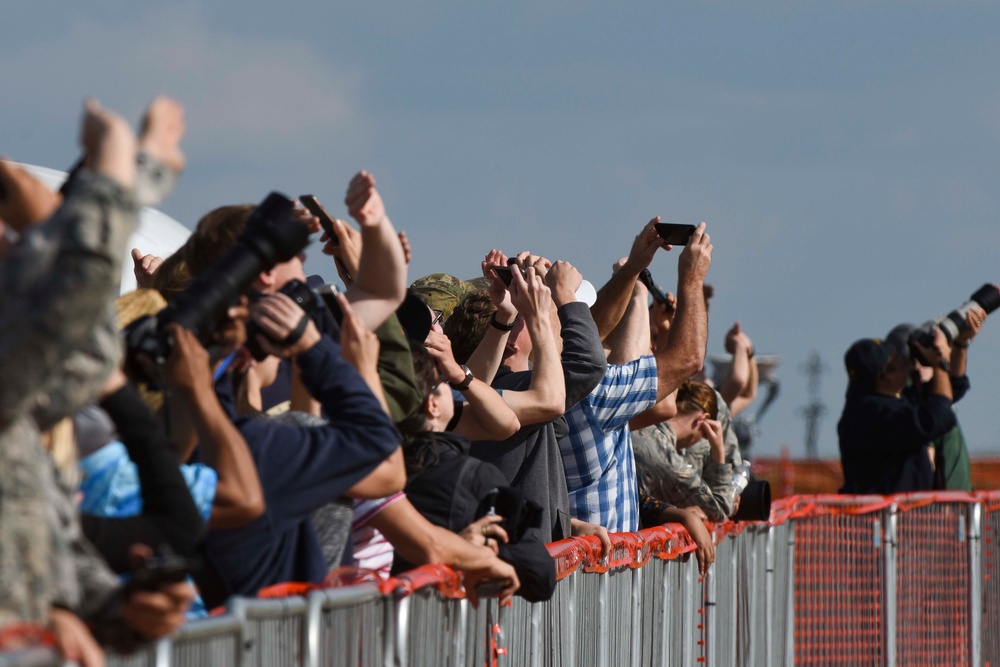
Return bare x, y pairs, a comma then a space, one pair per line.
886, 428
948, 453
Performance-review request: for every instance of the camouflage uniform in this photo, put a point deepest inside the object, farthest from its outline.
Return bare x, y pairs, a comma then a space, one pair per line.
441, 291
688, 476
58, 342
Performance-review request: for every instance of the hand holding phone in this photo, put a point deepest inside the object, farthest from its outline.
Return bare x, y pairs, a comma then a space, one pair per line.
313, 206
674, 234
504, 273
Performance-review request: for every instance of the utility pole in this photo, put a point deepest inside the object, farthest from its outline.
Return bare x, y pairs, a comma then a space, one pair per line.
812, 411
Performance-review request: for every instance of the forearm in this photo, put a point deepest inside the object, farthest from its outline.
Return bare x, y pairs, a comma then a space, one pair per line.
941, 383
485, 360
683, 353
959, 360
166, 500
56, 287
738, 376
613, 299
380, 284
419, 541
239, 497
545, 398
630, 339
486, 416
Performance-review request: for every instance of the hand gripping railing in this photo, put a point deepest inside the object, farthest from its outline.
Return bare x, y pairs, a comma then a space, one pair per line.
829, 580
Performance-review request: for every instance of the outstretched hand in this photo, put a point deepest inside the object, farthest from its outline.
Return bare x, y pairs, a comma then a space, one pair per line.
161, 131
108, 143
645, 245
530, 296
364, 203
499, 295
144, 266
692, 266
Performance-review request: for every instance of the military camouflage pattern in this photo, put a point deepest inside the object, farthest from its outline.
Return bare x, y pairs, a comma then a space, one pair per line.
688, 477
442, 292
58, 341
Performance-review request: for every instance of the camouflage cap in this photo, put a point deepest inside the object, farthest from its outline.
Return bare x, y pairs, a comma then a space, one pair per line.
441, 291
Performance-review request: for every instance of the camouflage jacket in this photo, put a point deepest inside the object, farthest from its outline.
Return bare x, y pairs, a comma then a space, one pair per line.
687, 477
58, 341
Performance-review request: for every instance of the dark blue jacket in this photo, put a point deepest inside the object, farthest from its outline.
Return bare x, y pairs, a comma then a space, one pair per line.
301, 469
884, 439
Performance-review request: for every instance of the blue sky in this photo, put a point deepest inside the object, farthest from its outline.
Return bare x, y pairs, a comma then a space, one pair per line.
844, 154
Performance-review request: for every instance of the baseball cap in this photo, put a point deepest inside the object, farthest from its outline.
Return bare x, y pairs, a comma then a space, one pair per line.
865, 360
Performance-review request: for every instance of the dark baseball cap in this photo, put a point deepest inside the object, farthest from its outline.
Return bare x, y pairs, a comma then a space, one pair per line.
898, 339
865, 360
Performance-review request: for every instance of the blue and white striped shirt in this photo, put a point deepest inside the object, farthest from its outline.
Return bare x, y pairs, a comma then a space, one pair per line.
597, 453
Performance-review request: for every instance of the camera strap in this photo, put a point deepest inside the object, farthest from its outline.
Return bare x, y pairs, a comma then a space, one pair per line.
293, 337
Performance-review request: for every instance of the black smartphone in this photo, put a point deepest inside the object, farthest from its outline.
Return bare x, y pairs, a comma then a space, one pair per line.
160, 571
313, 206
505, 274
674, 234
658, 294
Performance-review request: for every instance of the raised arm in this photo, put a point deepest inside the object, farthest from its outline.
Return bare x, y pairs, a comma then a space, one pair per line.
613, 298
545, 397
57, 284
485, 360
740, 386
239, 498
485, 414
374, 260
630, 339
682, 352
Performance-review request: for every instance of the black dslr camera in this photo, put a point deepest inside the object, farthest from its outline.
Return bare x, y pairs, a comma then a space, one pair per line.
272, 235
305, 297
986, 297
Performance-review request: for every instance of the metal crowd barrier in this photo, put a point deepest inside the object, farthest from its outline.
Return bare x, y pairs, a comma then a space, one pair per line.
829, 580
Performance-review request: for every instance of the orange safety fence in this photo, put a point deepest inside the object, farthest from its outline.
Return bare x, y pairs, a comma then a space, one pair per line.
908, 579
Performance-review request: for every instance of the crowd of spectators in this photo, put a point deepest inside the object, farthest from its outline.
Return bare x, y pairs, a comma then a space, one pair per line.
381, 423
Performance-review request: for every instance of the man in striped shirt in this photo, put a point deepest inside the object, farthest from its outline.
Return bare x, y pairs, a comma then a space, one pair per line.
597, 451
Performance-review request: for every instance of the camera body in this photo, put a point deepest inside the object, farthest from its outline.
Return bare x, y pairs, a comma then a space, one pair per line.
951, 325
272, 236
308, 299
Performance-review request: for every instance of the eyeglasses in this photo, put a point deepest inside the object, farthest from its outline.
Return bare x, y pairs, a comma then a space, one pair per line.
438, 317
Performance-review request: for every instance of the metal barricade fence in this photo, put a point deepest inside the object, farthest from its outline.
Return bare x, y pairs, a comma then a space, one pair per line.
830, 580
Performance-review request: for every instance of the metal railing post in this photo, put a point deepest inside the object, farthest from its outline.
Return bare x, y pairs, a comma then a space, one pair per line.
790, 600
602, 619
690, 608
975, 518
636, 624
401, 602
769, 596
708, 617
461, 634
889, 558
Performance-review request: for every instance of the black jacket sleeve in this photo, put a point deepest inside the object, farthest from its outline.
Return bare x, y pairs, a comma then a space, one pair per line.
169, 514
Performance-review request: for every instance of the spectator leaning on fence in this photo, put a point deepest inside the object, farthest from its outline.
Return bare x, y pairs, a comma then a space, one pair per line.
701, 481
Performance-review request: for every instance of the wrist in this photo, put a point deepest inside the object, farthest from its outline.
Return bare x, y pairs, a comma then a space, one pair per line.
503, 322
960, 345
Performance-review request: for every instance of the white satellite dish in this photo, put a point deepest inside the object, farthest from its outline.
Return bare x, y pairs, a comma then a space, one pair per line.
158, 233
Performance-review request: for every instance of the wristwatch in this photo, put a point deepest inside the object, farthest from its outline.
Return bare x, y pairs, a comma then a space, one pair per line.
464, 384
